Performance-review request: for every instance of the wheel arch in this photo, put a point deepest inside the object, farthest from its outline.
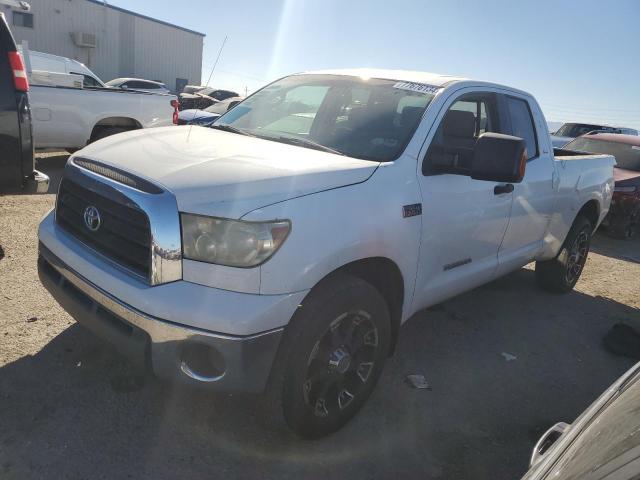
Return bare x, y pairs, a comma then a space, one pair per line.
385, 276
108, 122
591, 211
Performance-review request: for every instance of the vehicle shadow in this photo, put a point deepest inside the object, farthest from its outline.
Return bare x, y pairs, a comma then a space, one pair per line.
76, 409
52, 164
627, 250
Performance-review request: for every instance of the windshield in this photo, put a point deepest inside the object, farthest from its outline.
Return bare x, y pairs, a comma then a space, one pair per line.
574, 130
371, 119
627, 156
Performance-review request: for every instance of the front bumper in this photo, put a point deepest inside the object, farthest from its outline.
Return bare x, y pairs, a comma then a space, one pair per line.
174, 352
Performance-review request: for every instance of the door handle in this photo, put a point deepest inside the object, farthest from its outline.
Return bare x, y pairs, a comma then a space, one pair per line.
500, 189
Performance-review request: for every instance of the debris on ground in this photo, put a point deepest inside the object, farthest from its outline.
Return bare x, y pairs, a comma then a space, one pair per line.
508, 357
623, 340
79, 364
418, 382
32, 319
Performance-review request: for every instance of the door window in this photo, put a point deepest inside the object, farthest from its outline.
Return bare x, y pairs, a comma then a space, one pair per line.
452, 147
522, 124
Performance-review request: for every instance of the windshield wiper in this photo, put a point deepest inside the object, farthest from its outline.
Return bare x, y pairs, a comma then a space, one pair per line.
228, 128
303, 142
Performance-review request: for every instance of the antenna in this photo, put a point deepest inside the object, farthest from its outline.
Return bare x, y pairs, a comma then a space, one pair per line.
209, 79
217, 58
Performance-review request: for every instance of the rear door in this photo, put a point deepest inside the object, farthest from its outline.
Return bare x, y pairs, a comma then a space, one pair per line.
534, 198
16, 143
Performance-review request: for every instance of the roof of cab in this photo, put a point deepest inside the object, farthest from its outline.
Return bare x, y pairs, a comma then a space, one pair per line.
434, 79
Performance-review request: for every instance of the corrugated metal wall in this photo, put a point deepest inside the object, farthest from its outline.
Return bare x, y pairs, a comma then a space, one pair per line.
127, 45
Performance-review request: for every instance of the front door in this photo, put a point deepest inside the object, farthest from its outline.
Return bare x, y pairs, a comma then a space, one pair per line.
463, 220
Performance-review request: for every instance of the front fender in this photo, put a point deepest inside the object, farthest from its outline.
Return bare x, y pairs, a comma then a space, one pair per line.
336, 227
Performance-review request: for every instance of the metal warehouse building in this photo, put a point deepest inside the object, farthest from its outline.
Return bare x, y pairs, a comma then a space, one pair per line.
111, 41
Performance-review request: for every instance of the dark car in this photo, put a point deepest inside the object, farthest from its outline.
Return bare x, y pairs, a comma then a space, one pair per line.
17, 171
624, 216
204, 98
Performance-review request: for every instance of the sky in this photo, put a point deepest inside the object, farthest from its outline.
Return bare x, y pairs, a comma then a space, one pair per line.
578, 58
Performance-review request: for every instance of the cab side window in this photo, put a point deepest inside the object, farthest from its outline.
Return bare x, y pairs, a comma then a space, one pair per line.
452, 147
522, 124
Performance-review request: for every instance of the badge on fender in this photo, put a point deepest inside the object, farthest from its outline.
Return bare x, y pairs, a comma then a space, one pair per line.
412, 210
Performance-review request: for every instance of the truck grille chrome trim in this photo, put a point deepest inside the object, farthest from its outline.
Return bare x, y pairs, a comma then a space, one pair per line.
119, 232
118, 175
139, 231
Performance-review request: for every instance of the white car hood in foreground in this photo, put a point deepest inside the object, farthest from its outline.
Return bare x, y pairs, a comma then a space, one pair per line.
226, 174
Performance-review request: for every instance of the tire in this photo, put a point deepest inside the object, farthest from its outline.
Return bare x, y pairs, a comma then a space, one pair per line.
331, 356
104, 132
562, 273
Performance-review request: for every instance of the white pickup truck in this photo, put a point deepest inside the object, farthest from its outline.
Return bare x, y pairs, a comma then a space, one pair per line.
282, 249
71, 117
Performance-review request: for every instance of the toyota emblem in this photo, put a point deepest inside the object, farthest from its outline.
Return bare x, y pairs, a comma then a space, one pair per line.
92, 218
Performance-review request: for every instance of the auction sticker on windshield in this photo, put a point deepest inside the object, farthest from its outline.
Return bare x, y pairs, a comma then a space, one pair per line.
417, 87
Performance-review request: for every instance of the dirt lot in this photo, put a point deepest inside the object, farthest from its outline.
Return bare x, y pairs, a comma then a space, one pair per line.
72, 408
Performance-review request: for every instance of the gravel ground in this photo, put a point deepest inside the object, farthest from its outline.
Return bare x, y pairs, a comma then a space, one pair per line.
70, 407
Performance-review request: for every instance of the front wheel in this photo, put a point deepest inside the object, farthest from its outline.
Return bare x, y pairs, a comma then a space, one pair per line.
332, 355
562, 273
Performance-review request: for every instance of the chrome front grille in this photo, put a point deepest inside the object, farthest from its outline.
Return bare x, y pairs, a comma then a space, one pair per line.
123, 232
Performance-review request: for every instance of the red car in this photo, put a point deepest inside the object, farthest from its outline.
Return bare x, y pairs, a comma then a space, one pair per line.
624, 216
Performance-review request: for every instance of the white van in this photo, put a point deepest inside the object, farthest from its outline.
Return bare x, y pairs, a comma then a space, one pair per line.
40, 61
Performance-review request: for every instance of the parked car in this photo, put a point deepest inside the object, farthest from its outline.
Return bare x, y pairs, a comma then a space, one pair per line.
138, 84
624, 216
70, 118
47, 62
601, 444
282, 249
207, 116
204, 98
192, 88
569, 131
17, 163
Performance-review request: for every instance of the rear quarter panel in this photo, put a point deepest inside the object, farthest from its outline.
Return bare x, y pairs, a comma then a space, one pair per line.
580, 179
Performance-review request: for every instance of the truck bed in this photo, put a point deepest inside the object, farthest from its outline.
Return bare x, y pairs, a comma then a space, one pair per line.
64, 117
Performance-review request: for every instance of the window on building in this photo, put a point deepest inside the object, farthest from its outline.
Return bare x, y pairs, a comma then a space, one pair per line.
23, 19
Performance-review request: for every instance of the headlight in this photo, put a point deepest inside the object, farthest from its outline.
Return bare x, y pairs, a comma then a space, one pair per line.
624, 189
232, 243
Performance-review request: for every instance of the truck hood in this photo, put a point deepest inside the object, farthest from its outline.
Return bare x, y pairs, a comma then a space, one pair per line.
225, 174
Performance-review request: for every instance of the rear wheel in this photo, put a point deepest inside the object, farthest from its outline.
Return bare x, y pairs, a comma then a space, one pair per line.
562, 273
104, 132
332, 355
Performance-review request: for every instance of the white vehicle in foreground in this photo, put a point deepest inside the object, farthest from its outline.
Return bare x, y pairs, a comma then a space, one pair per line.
72, 117
283, 247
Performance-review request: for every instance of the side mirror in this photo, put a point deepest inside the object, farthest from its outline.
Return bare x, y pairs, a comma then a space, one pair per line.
499, 158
